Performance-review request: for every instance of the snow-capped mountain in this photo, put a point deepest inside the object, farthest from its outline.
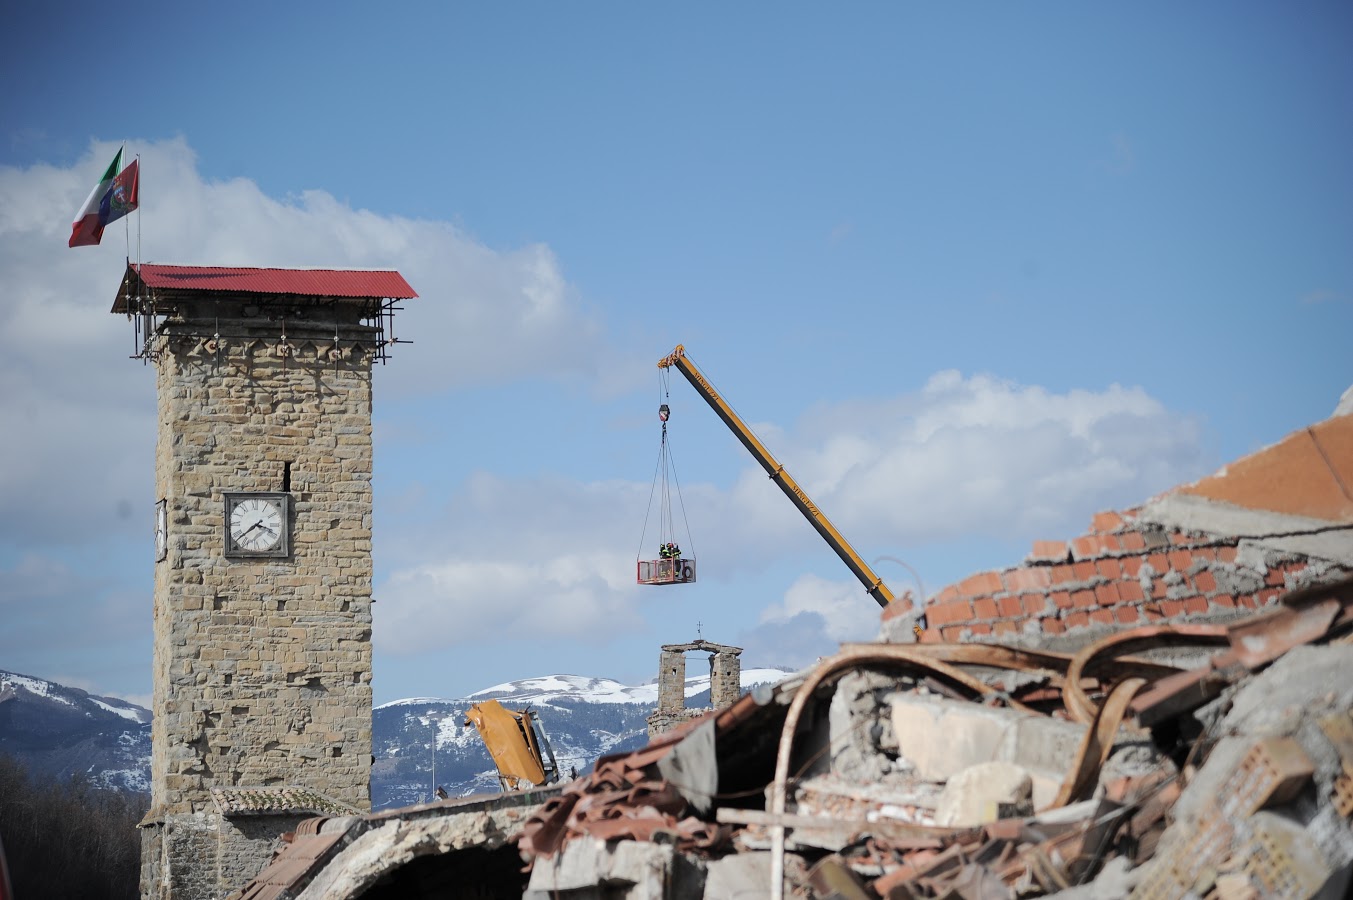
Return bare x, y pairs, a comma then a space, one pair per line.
63, 731
583, 718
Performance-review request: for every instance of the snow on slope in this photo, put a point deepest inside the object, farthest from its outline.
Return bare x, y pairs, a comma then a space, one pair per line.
136, 715
543, 689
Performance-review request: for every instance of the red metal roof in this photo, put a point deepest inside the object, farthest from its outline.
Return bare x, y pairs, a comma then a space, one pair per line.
302, 282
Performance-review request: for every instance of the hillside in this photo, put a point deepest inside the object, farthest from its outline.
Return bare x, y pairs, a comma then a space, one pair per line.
63, 731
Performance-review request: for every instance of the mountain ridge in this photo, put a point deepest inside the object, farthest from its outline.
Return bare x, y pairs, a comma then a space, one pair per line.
64, 732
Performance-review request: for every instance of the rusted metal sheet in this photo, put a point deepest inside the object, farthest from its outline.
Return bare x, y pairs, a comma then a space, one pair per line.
1098, 743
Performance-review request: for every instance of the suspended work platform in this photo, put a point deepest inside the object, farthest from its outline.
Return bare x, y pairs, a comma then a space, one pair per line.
666, 571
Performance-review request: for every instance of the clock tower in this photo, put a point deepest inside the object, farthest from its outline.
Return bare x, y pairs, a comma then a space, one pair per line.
262, 605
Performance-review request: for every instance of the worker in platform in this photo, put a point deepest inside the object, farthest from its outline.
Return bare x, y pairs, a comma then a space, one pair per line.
673, 551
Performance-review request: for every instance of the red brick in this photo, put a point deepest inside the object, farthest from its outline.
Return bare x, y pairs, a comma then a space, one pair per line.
1133, 540
931, 636
1172, 608
1107, 521
1129, 592
985, 608
952, 633
1205, 582
1034, 604
1053, 626
1010, 606
1248, 601
1101, 617
1109, 568
1083, 599
1077, 619
1126, 614
949, 593
1267, 596
1159, 589
1195, 605
1055, 551
1062, 599
1159, 562
1180, 540
1027, 579
1152, 612
980, 629
1086, 547
1084, 571
948, 613
1226, 554
1181, 560
1063, 574
1225, 600
1132, 565
980, 584
1005, 628
1208, 553
1109, 543
1275, 576
1106, 594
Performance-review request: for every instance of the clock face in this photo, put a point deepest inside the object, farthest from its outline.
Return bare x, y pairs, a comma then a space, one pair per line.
256, 524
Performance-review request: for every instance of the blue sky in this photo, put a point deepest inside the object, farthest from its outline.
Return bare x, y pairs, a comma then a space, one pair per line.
973, 271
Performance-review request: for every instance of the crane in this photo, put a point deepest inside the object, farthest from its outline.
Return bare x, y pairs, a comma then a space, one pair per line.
678, 360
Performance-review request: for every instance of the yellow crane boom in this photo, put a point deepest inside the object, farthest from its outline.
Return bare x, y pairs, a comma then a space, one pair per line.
678, 360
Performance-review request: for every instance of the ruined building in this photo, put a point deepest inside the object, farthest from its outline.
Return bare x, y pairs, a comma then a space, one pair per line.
725, 683
262, 605
1159, 708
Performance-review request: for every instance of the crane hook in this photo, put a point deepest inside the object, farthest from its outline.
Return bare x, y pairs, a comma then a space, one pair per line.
663, 413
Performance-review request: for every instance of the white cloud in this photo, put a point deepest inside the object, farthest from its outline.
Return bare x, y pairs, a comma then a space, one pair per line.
847, 613
963, 459
569, 596
79, 415
979, 456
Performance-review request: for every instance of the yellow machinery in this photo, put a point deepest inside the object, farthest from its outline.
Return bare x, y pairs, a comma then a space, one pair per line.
678, 360
513, 739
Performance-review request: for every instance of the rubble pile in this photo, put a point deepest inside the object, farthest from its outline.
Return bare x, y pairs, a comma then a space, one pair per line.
1187, 760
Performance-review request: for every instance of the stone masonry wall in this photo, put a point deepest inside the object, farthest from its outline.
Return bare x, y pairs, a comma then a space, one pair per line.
725, 683
262, 672
672, 679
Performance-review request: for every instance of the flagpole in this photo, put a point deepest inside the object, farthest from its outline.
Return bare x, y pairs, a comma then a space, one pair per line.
138, 212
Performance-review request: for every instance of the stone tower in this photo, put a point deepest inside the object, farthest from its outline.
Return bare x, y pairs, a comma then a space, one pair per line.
262, 634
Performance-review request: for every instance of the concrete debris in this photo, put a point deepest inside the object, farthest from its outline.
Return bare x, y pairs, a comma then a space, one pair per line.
986, 792
931, 770
901, 771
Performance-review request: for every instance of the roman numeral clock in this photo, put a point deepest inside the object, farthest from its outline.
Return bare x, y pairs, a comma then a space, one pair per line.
262, 546
256, 524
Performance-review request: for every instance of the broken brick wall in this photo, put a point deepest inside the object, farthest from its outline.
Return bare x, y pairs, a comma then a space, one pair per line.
1123, 572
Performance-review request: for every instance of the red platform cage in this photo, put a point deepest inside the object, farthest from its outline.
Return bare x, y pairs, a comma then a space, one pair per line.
666, 571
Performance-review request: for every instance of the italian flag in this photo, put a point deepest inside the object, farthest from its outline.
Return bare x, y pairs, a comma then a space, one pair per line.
112, 198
